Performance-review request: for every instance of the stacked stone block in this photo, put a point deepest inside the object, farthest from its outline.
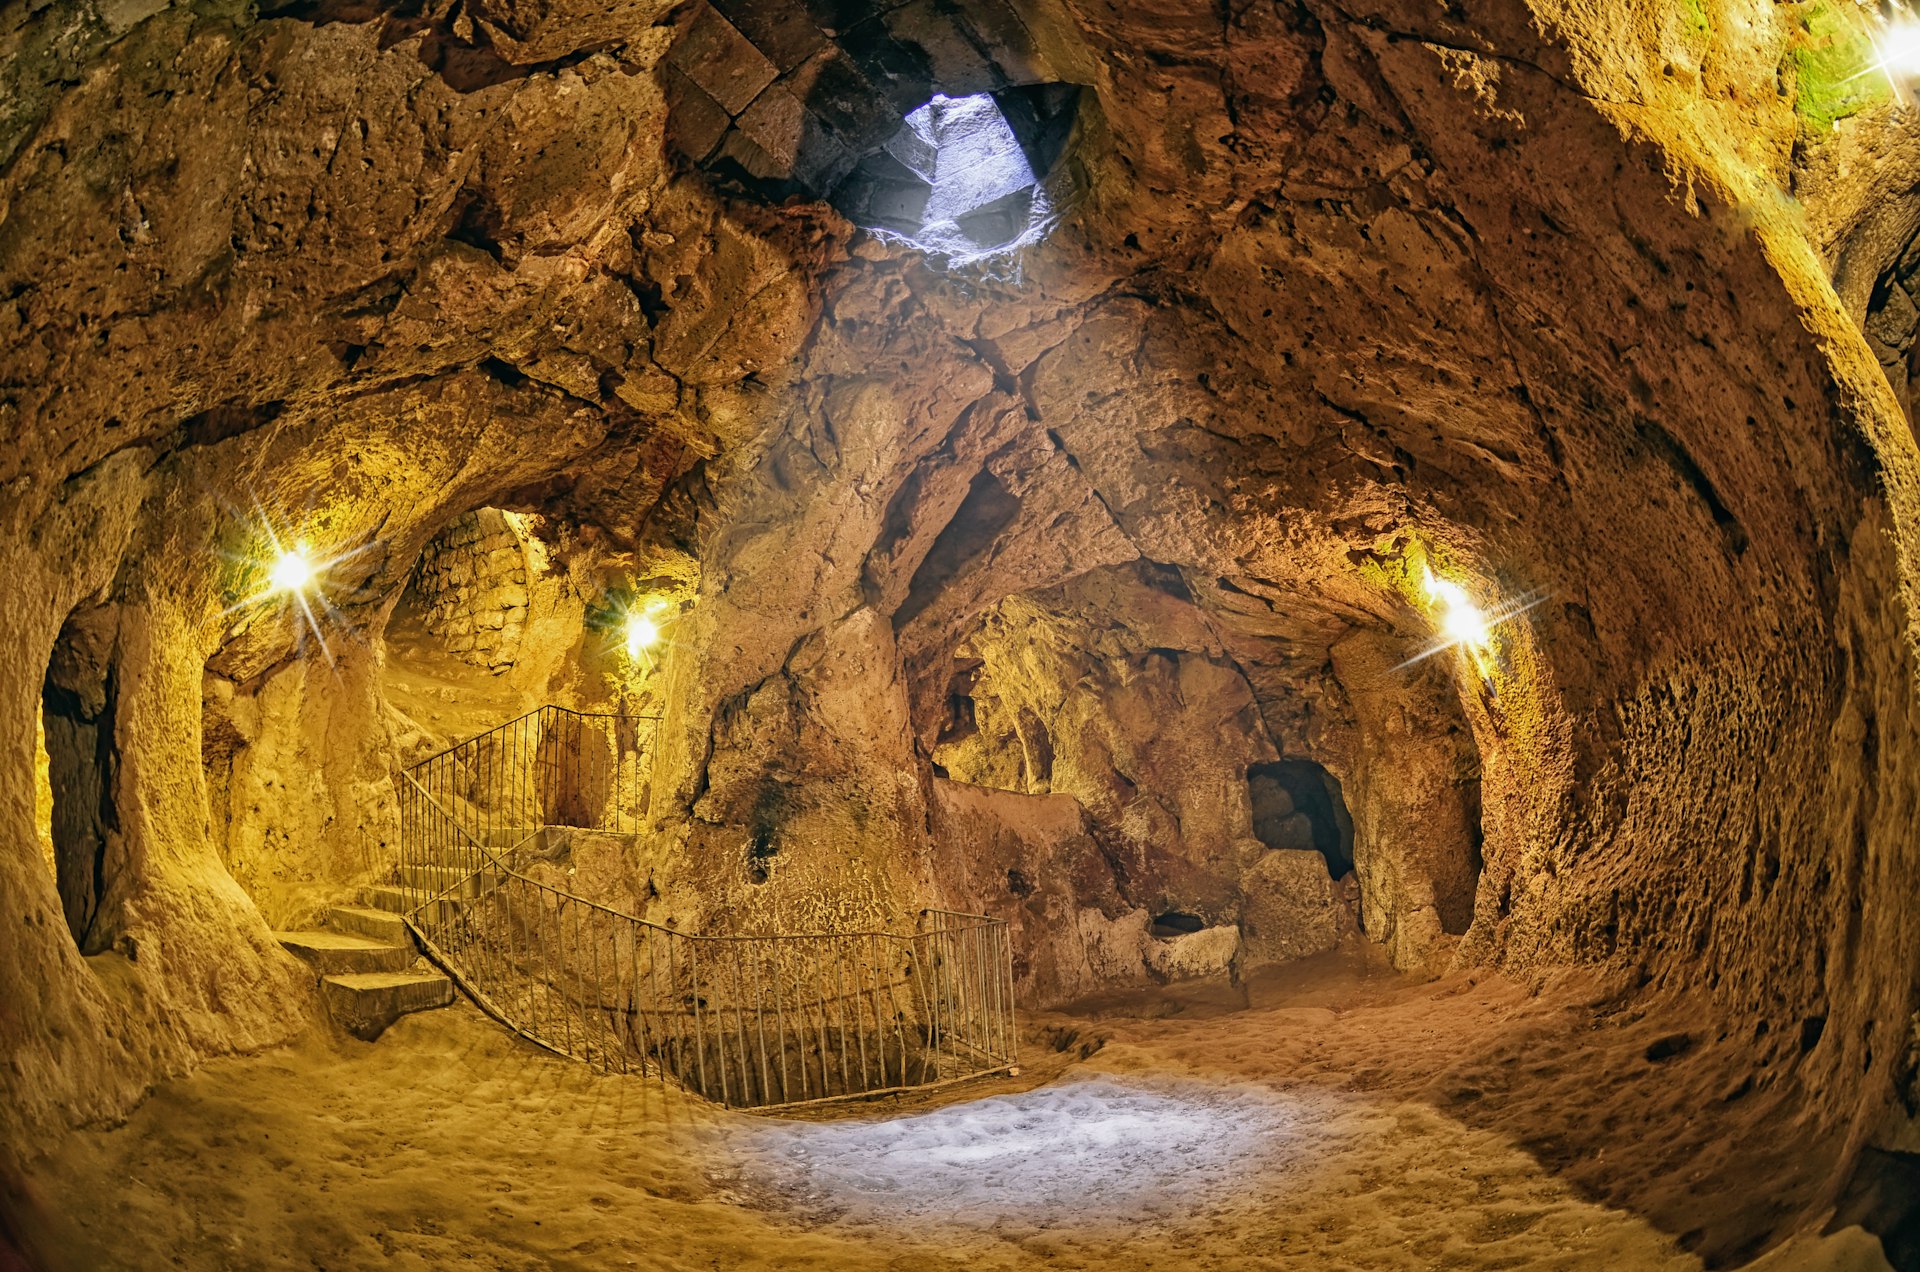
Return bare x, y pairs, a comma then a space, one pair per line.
471, 589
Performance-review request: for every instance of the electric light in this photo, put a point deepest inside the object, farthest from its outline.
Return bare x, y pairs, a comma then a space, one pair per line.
642, 632
291, 572
1899, 48
1462, 621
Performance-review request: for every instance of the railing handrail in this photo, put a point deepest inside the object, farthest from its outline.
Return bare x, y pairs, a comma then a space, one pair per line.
598, 715
506, 868
910, 1000
464, 742
454, 819
525, 715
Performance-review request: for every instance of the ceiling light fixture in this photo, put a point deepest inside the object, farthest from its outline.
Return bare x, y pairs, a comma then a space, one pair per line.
642, 633
1460, 619
1463, 624
1898, 46
291, 571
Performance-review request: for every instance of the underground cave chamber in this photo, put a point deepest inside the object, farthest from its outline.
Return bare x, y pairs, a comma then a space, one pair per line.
741, 634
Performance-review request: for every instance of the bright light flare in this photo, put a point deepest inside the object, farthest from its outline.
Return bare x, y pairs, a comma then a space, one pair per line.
642, 634
1896, 48
1899, 48
643, 629
1461, 620
291, 572
1463, 624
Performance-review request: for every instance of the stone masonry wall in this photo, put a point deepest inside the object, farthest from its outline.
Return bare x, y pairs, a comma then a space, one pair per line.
470, 588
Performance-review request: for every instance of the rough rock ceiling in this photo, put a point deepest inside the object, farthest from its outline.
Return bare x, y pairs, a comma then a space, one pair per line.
1512, 285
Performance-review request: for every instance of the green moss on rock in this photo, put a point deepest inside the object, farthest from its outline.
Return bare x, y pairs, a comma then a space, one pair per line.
1831, 63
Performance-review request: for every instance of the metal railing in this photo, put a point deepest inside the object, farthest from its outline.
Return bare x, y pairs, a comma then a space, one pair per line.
551, 767
749, 1021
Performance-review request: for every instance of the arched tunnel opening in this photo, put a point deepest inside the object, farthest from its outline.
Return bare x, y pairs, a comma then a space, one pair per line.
1297, 804
76, 739
961, 596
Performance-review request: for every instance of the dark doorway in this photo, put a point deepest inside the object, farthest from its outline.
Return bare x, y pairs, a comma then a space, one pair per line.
77, 704
1298, 805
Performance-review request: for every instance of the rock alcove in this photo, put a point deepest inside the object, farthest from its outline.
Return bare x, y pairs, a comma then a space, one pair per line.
1378, 542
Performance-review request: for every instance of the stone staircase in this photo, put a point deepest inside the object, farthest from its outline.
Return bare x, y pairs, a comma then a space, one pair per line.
370, 972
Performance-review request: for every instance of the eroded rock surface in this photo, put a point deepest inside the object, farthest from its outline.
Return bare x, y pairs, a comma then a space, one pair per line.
1341, 296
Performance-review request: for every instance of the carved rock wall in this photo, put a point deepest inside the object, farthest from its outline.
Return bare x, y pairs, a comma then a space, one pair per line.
1348, 290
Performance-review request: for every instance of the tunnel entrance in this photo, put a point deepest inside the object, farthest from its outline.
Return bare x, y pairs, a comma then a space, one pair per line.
1297, 804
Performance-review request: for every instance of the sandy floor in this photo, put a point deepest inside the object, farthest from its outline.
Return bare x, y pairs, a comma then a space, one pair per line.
1275, 1131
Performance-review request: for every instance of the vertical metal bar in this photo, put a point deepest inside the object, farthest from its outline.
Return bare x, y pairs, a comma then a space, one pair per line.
1013, 1006
801, 957
773, 952
899, 1017
984, 943
557, 974
983, 951
700, 1022
820, 1021
639, 1008
740, 1019
930, 969
871, 993
482, 776
677, 1039
964, 937
717, 1018
643, 995
978, 1028
599, 986
885, 959
511, 980
549, 1024
543, 979
871, 974
563, 954
840, 1006
957, 943
924, 993
843, 1040
680, 1024
877, 965
692, 1020
989, 979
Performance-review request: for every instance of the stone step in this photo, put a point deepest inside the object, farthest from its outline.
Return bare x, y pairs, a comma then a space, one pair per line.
437, 879
334, 952
365, 1003
380, 925
384, 896
394, 900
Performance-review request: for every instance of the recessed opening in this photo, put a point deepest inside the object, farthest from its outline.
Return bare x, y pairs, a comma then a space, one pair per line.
1174, 923
1297, 805
1036, 749
458, 654
77, 743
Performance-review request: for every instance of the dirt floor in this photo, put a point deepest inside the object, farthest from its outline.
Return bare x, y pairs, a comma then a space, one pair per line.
1260, 1127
